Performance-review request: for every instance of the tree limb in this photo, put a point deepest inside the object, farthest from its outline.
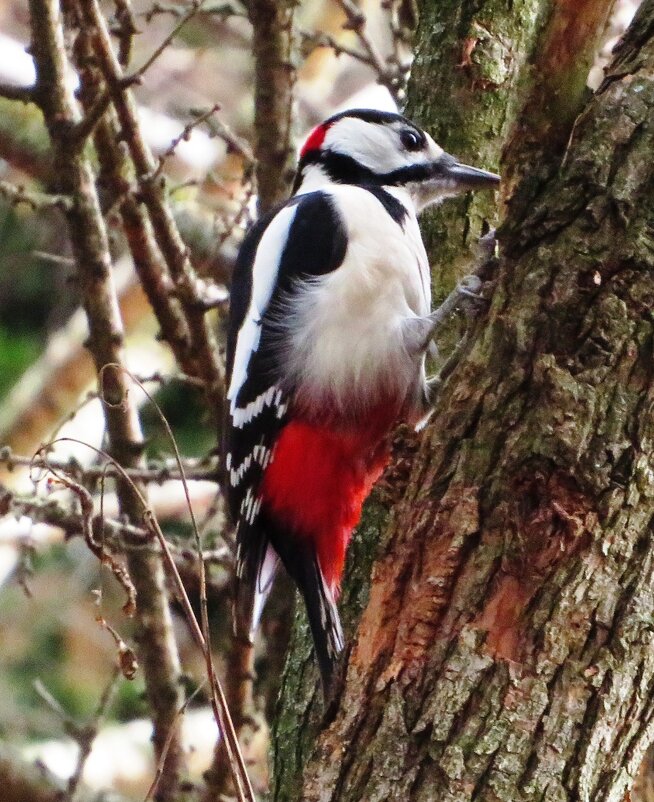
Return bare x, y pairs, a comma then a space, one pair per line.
274, 77
157, 649
203, 346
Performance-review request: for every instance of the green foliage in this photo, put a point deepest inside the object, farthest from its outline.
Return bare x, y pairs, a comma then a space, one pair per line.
17, 351
185, 411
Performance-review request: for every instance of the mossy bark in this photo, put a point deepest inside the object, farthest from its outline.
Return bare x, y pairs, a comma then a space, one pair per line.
488, 75
505, 652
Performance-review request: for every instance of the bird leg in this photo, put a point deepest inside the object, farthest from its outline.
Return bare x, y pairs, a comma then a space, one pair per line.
419, 332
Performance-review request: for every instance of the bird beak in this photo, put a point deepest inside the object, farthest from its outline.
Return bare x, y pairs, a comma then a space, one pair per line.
464, 177
445, 177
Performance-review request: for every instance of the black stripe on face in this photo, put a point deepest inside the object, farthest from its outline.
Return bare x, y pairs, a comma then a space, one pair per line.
396, 210
422, 171
344, 169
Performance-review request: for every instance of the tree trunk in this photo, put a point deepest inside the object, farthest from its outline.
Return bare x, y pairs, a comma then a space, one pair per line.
505, 652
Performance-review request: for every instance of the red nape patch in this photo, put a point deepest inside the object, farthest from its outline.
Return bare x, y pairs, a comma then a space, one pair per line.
315, 139
317, 483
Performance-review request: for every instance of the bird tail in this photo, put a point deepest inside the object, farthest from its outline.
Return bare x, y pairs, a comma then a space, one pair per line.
324, 620
255, 572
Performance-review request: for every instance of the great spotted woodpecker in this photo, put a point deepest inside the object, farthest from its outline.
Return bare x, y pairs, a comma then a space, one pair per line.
330, 320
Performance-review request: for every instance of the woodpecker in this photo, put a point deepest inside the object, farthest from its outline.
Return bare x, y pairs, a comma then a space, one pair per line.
329, 323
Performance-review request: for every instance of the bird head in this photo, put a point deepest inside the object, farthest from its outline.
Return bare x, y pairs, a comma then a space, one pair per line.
368, 147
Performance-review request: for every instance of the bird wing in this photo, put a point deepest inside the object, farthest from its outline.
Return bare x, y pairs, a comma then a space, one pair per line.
304, 238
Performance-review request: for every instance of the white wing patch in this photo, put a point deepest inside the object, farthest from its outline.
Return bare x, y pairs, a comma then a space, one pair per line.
250, 507
243, 415
259, 454
264, 278
329, 619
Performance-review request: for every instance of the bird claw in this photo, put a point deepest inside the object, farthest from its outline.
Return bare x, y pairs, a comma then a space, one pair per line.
470, 286
469, 290
487, 246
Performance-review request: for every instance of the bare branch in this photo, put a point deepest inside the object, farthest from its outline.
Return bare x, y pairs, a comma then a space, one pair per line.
88, 236
95, 546
221, 708
71, 521
87, 124
22, 780
195, 470
222, 10
356, 21
220, 129
219, 703
124, 29
202, 349
182, 137
195, 6
24, 94
159, 771
36, 200
392, 71
85, 735
274, 78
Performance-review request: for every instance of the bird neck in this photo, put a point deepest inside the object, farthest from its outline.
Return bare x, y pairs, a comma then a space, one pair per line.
314, 177
310, 178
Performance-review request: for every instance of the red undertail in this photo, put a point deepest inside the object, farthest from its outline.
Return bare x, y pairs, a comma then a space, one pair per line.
318, 481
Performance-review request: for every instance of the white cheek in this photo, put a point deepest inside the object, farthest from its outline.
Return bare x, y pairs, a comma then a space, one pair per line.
374, 146
434, 151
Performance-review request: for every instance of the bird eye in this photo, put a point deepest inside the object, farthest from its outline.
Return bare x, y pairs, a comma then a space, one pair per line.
410, 139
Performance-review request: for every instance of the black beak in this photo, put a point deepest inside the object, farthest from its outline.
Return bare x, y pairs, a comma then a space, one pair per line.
465, 177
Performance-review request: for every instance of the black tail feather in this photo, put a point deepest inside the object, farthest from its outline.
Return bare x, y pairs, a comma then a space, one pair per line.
300, 560
255, 571
324, 620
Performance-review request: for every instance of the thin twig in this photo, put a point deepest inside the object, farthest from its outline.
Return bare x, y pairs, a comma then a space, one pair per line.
196, 5
87, 734
183, 136
219, 128
36, 200
356, 21
223, 10
160, 764
86, 505
194, 470
124, 30
55, 258
86, 126
392, 71
69, 723
219, 703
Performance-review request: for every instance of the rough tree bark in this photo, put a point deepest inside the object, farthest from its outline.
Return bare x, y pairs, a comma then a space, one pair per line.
505, 652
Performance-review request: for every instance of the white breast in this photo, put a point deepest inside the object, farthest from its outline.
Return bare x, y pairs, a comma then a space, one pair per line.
345, 344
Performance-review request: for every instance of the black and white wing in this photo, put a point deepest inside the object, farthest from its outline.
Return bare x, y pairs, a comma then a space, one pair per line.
303, 239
